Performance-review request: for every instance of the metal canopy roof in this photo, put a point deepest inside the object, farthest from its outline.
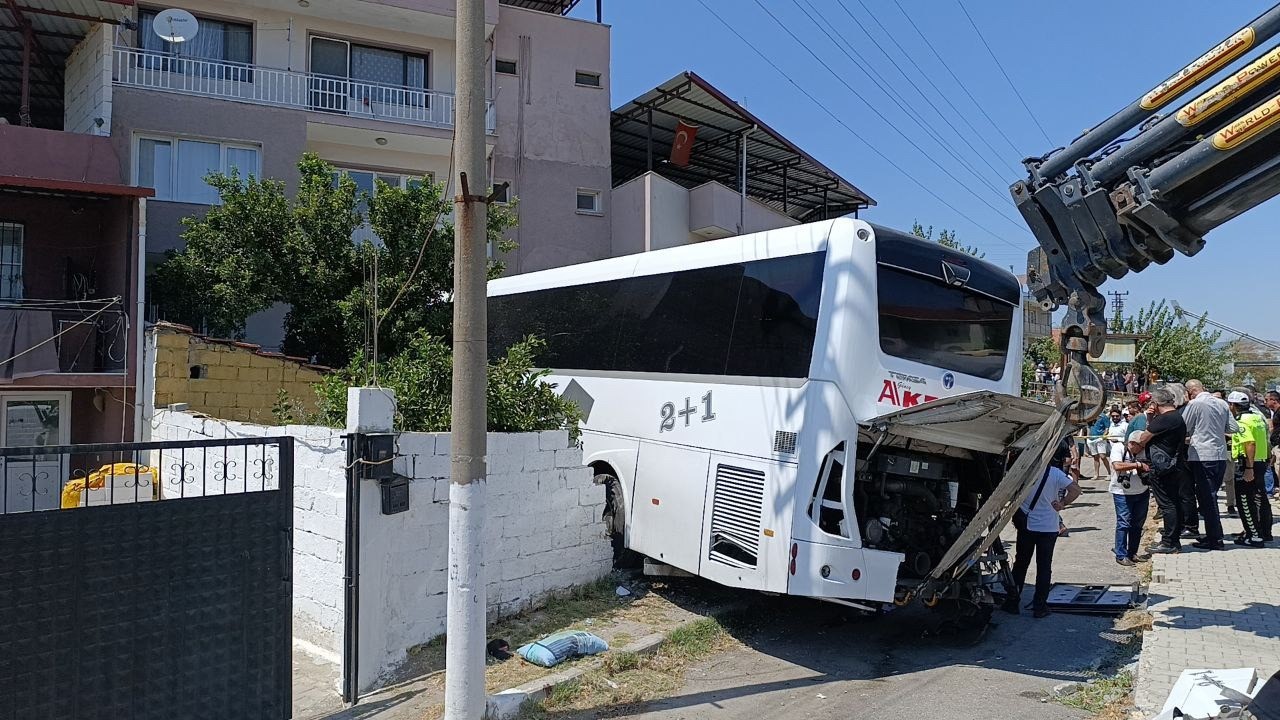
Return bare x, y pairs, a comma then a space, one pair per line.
779, 174
556, 7
56, 26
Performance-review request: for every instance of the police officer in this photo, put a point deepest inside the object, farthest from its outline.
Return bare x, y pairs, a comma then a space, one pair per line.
1249, 448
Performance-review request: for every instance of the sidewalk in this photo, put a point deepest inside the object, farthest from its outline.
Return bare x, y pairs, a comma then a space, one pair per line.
1212, 610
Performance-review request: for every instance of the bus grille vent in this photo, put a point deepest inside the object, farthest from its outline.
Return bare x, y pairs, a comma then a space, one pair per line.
784, 442
736, 511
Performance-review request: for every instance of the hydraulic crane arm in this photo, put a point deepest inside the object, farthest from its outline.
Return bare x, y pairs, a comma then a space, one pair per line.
1107, 205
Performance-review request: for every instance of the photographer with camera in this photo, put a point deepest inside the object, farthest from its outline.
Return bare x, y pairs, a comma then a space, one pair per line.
1131, 497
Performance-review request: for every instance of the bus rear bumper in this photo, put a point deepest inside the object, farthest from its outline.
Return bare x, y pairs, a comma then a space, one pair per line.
838, 571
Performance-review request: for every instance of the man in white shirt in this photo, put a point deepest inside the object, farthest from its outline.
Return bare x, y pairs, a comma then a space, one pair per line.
1037, 521
1209, 423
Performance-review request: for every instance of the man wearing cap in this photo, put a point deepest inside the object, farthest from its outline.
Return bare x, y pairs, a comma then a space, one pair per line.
1138, 412
1165, 440
1209, 423
1249, 447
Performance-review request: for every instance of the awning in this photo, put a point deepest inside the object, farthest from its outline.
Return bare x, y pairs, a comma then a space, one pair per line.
556, 7
779, 174
57, 26
42, 186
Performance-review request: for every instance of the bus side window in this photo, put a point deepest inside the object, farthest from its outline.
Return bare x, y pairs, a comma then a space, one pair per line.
826, 506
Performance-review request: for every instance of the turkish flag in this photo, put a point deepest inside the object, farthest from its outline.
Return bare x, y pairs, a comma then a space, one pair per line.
683, 144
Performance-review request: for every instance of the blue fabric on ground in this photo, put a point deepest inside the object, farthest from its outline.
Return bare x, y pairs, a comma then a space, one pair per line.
555, 649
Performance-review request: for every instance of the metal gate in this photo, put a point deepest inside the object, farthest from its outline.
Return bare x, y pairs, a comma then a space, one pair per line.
156, 584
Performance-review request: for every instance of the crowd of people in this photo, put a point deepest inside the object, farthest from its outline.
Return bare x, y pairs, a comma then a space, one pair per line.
1122, 380
1178, 444
1183, 445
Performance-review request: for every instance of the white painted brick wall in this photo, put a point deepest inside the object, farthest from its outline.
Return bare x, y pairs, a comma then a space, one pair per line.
542, 532
86, 91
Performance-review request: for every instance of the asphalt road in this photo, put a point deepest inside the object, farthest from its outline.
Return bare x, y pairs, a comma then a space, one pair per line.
809, 659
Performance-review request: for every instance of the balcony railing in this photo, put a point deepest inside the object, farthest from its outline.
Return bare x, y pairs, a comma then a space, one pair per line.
284, 88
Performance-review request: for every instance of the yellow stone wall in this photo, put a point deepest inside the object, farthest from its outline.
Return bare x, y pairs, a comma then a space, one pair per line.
237, 381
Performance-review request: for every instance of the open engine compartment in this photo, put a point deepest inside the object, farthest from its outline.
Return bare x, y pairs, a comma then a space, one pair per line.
919, 503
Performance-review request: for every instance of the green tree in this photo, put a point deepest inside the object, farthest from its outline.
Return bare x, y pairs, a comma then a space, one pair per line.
946, 238
1041, 350
258, 247
420, 375
1176, 348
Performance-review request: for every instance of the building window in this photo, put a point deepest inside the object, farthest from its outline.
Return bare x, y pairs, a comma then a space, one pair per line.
589, 202
342, 59
502, 192
506, 67
10, 261
588, 79
176, 167
217, 40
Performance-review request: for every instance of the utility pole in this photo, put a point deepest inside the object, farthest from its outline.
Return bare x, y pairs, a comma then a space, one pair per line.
464, 695
1117, 304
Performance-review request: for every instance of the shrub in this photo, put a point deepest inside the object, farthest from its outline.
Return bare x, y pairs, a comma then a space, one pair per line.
519, 398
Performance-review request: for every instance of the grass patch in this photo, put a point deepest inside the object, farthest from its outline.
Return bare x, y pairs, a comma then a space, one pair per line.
625, 679
565, 693
694, 639
621, 662
1104, 697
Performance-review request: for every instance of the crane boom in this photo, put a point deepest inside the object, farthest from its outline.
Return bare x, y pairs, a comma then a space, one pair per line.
1107, 205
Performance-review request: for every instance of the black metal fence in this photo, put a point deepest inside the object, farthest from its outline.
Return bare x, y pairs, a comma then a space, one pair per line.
157, 586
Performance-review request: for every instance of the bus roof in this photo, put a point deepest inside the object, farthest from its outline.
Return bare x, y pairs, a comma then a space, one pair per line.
783, 242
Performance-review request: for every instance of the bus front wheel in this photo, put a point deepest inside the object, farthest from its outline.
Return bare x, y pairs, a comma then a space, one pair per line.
615, 521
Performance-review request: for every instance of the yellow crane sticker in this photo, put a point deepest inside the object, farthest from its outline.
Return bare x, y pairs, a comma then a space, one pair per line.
1250, 125
1200, 68
1226, 92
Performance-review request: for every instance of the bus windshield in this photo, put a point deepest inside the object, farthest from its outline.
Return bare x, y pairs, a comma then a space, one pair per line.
925, 320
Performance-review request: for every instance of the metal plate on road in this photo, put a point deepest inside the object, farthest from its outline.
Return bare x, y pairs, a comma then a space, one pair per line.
1067, 597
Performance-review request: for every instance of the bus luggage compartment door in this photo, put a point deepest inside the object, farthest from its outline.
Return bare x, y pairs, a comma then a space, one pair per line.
741, 545
667, 505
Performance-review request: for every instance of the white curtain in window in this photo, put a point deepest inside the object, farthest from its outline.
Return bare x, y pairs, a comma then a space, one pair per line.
376, 65
195, 160
155, 162
245, 160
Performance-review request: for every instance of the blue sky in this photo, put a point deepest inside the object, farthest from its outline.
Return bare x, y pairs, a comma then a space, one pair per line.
1074, 63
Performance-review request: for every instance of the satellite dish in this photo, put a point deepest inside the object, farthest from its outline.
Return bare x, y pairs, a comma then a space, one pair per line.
175, 25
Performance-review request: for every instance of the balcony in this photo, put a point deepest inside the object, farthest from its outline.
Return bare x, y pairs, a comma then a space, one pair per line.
284, 88
64, 336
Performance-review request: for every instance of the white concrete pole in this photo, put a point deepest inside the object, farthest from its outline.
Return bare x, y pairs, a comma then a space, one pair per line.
464, 695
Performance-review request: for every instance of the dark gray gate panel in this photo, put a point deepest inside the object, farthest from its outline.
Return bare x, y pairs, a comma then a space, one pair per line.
175, 608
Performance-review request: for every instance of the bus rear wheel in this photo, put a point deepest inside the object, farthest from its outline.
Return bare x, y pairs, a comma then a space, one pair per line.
615, 521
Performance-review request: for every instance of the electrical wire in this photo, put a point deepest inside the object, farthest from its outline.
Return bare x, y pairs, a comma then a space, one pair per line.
840, 121
964, 88
946, 117
1000, 65
916, 117
422, 251
870, 106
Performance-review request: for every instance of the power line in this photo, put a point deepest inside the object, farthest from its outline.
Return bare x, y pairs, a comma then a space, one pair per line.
1000, 65
946, 117
964, 88
846, 126
897, 99
870, 106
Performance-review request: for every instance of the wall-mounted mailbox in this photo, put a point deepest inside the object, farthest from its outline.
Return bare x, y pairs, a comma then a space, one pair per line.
395, 494
377, 452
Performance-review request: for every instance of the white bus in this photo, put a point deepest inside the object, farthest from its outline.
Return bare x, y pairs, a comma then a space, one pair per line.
745, 402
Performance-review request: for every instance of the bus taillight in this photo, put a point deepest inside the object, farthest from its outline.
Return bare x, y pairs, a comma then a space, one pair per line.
795, 548
857, 574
